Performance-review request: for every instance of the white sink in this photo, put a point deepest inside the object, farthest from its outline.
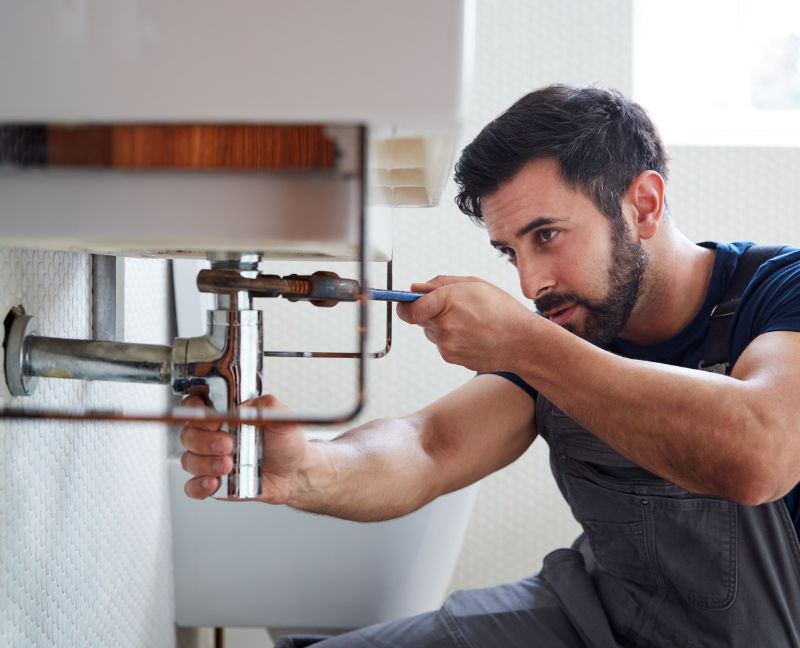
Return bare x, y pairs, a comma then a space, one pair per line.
251, 564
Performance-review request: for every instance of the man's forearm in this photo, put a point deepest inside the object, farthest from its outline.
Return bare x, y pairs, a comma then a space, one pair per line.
391, 467
378, 471
700, 430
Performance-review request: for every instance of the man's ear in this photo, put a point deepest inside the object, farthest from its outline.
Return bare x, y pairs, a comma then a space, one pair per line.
644, 203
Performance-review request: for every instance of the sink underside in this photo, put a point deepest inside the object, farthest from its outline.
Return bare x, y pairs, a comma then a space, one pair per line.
186, 214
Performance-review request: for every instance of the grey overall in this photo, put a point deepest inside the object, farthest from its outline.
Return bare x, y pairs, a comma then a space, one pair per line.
657, 566
667, 567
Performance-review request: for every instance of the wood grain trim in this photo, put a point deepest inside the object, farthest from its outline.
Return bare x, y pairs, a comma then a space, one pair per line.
192, 146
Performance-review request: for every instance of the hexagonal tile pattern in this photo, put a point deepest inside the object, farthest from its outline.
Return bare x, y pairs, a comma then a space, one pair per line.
85, 549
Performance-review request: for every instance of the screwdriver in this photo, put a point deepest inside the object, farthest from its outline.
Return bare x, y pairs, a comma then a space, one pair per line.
394, 295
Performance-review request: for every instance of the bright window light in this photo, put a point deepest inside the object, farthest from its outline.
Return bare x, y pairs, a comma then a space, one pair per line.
719, 72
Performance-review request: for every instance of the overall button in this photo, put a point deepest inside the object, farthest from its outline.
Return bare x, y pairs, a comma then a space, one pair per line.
645, 502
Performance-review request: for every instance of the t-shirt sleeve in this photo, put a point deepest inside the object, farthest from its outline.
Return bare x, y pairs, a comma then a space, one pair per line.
770, 303
514, 378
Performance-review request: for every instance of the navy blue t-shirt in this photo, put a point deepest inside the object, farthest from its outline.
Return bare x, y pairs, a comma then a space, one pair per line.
770, 303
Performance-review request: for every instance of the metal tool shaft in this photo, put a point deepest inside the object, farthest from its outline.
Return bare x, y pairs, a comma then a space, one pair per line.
321, 288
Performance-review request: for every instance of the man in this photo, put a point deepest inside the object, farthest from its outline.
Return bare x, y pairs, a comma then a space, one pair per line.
683, 480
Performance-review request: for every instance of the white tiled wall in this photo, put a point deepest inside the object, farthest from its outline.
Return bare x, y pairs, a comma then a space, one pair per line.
733, 193
85, 547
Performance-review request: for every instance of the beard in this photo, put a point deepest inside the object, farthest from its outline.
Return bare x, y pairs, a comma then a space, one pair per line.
606, 317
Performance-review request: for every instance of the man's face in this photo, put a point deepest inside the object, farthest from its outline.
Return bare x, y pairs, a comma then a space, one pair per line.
579, 273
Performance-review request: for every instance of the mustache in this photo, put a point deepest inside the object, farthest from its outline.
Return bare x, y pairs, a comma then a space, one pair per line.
556, 301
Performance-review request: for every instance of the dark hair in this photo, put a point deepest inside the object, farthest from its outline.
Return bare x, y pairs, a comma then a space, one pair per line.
601, 140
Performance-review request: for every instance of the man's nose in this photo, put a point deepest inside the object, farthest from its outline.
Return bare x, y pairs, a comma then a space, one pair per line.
534, 278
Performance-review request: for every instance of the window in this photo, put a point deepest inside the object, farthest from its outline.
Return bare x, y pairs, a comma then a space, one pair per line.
719, 72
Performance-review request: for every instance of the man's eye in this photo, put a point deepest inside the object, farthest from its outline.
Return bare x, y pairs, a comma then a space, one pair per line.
547, 235
507, 252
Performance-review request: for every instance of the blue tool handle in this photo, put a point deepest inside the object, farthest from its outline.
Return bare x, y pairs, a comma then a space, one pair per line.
394, 295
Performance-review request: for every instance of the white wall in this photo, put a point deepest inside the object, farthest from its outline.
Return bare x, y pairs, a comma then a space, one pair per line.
735, 193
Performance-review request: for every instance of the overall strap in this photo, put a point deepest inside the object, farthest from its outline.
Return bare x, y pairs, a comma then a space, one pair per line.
716, 357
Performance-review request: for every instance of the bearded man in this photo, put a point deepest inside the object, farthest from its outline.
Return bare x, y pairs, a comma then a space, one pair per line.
683, 480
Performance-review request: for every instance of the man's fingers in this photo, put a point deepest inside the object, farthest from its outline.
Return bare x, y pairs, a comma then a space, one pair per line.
267, 401
201, 487
203, 466
434, 302
200, 403
194, 401
423, 309
204, 442
441, 280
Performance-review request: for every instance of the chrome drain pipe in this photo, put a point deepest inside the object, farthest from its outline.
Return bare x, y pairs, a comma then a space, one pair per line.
93, 360
225, 366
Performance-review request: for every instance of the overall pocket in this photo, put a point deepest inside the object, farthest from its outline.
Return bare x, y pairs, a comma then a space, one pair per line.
673, 538
615, 528
695, 543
